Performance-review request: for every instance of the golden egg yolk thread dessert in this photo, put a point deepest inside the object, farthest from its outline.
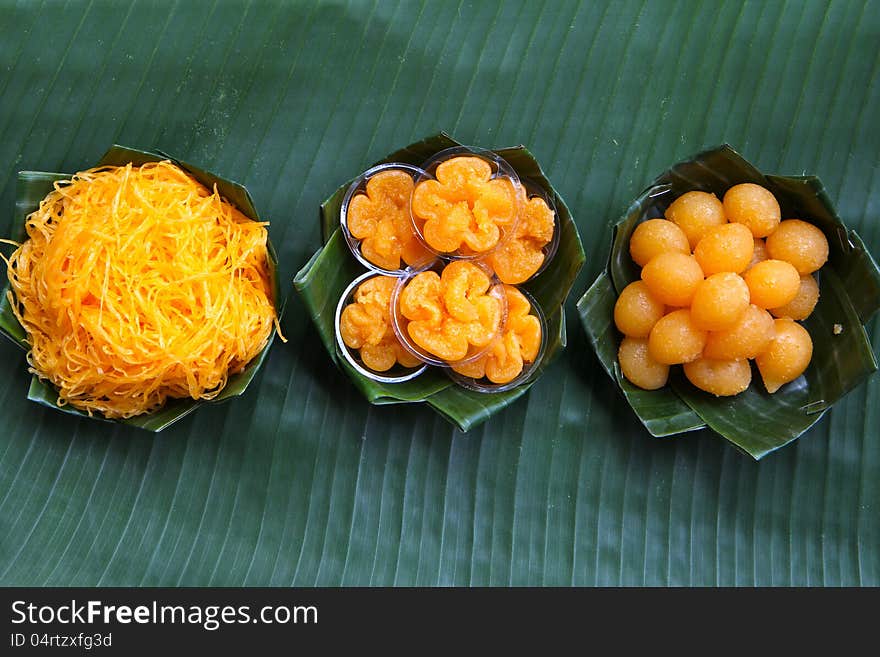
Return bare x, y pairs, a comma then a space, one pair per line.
465, 208
517, 259
380, 219
519, 343
365, 326
138, 284
452, 313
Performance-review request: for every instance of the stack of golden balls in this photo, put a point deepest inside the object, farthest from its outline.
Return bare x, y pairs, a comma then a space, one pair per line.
722, 282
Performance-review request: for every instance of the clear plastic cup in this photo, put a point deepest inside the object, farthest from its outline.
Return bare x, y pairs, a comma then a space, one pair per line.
398, 373
401, 323
359, 186
501, 169
529, 372
532, 190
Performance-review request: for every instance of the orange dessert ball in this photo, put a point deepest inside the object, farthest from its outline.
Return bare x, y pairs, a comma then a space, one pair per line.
759, 254
676, 339
636, 310
719, 301
788, 355
753, 206
728, 247
722, 378
772, 283
638, 367
695, 213
804, 302
656, 236
800, 243
747, 338
673, 278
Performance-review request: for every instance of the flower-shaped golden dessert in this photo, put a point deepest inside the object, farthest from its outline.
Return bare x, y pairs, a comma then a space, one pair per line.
452, 314
465, 207
518, 344
517, 260
365, 325
380, 219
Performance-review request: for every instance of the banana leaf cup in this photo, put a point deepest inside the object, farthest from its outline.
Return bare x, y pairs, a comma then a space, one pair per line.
33, 186
326, 275
754, 421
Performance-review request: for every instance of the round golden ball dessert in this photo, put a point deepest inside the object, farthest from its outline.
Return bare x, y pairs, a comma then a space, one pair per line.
801, 244
656, 236
673, 278
636, 310
753, 206
675, 339
637, 365
747, 338
803, 303
722, 378
737, 297
696, 213
772, 283
788, 355
720, 300
728, 247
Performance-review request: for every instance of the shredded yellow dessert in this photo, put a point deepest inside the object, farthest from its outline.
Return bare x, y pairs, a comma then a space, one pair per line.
138, 284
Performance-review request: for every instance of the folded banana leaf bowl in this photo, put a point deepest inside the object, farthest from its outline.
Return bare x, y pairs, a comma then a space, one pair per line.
328, 275
33, 186
754, 421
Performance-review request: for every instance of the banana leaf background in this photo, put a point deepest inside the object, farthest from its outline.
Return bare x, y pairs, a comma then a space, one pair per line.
301, 481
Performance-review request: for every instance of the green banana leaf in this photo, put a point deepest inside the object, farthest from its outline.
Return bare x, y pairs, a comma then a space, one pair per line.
32, 187
754, 421
324, 278
302, 481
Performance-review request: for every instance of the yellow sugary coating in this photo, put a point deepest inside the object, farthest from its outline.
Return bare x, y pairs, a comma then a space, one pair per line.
719, 301
772, 283
379, 217
759, 254
725, 248
518, 345
465, 207
747, 338
636, 310
450, 314
365, 326
656, 236
787, 356
517, 259
804, 302
722, 378
675, 339
638, 367
753, 206
673, 278
138, 284
800, 243
695, 213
